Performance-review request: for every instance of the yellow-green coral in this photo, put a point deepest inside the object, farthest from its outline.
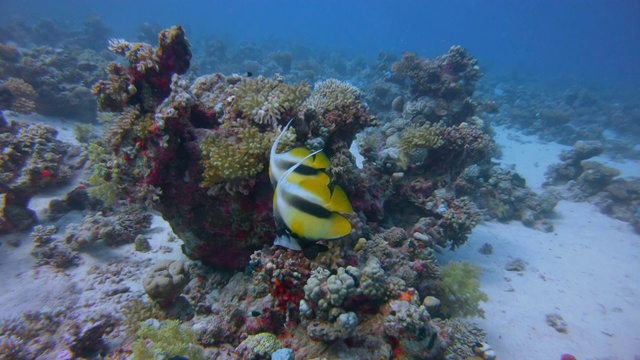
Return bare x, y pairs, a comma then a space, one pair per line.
122, 127
461, 294
136, 312
105, 174
415, 141
265, 101
261, 345
232, 158
166, 341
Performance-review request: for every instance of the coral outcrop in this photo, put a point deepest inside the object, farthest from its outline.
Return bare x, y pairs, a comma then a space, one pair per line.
202, 153
578, 178
32, 158
166, 280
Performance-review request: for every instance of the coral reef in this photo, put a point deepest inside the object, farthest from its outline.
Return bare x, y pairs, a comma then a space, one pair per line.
202, 153
22, 95
579, 179
501, 193
52, 82
447, 82
113, 226
147, 80
49, 250
196, 150
32, 159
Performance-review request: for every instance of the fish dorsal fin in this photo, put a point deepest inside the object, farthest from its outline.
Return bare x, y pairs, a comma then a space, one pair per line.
335, 200
274, 147
339, 201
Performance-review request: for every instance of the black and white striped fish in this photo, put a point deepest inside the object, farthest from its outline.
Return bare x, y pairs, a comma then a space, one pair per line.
305, 209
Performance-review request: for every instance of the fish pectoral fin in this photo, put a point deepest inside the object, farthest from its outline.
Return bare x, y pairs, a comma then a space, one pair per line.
339, 201
287, 242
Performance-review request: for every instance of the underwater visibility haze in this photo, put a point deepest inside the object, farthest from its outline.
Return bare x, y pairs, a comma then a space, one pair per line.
319, 179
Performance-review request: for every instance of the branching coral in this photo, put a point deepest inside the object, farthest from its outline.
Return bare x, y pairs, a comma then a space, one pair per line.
266, 101
136, 312
114, 229
104, 174
113, 93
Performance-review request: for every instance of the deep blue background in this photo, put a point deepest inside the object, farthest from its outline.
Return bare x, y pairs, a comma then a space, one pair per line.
554, 40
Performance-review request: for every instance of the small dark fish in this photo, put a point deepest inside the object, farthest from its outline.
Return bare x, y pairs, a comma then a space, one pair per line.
255, 313
249, 74
178, 357
432, 340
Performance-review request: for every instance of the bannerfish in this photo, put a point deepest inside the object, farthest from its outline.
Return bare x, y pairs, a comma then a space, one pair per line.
280, 163
305, 209
483, 351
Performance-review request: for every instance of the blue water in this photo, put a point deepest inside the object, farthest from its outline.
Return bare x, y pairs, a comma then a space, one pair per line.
585, 40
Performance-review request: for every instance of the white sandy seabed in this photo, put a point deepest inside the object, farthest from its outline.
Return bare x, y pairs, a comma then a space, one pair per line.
587, 271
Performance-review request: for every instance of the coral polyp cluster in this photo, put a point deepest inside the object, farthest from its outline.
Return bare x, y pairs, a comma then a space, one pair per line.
237, 154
